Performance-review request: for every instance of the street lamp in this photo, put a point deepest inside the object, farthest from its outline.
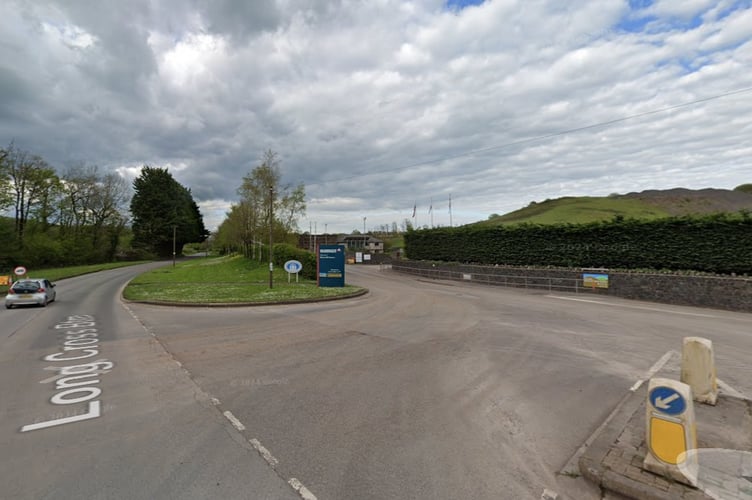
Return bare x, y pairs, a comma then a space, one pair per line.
174, 233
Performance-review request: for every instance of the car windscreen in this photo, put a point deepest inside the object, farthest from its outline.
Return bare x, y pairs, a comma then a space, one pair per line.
26, 287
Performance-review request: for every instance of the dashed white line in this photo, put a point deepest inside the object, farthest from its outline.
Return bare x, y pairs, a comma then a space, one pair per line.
234, 421
304, 492
266, 454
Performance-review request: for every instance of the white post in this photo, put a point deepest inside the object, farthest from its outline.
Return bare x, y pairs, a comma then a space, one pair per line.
698, 369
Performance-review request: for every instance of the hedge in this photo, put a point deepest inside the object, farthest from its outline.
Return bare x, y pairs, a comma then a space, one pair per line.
718, 244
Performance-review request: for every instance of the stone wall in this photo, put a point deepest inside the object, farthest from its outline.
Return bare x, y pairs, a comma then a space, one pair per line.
729, 293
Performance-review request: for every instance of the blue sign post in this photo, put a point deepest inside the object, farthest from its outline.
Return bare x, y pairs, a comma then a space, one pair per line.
331, 265
293, 267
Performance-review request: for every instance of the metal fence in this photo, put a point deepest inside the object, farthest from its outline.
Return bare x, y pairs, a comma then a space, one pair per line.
546, 283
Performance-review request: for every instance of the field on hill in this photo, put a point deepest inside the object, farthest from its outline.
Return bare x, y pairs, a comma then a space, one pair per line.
578, 210
645, 205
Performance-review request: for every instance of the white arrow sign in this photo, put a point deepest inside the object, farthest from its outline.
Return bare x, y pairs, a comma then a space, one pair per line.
665, 404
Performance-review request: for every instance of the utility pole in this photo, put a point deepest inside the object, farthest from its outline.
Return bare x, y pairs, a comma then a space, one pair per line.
271, 242
174, 233
364, 225
450, 211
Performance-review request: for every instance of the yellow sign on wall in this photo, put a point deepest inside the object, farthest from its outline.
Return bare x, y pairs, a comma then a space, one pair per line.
4, 280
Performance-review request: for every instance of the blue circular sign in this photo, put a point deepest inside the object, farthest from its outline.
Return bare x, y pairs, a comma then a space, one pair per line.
667, 400
293, 266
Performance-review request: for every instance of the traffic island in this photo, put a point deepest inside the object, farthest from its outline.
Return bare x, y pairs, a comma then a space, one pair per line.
615, 458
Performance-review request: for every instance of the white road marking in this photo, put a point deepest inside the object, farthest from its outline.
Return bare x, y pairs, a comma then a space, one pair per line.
94, 411
215, 401
654, 369
549, 495
572, 466
643, 308
273, 462
234, 421
81, 341
729, 390
304, 492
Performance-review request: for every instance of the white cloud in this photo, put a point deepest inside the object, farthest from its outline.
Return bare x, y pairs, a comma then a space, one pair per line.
378, 105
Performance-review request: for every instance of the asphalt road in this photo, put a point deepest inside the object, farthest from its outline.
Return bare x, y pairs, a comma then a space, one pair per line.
157, 435
420, 389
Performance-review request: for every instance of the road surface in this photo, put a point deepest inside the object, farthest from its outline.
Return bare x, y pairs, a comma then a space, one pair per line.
420, 389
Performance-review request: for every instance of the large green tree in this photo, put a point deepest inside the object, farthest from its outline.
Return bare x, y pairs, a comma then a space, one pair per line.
163, 209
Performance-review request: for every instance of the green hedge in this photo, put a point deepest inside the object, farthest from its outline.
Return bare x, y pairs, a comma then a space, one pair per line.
284, 252
717, 244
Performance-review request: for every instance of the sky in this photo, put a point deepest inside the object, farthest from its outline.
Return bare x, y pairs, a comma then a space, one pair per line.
382, 106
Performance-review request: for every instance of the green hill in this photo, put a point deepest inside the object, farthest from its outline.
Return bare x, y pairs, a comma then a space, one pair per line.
644, 205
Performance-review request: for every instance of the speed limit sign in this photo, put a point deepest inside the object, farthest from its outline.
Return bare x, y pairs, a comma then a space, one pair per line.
19, 271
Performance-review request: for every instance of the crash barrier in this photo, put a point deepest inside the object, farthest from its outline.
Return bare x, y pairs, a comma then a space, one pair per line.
492, 276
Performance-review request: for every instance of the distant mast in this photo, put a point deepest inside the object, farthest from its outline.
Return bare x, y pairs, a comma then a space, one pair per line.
450, 210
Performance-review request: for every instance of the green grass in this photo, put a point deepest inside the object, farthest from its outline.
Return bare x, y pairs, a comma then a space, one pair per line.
54, 274
579, 210
224, 280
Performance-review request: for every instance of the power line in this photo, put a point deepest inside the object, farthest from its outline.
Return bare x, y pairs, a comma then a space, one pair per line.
540, 137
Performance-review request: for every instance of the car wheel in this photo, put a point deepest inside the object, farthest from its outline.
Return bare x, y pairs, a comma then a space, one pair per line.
8, 306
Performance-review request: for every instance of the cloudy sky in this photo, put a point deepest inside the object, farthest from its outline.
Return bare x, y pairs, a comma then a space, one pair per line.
381, 105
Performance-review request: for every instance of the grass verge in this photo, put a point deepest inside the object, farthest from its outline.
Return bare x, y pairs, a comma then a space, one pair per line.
225, 280
69, 272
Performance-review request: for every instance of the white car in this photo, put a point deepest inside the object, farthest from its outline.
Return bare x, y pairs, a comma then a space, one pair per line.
38, 292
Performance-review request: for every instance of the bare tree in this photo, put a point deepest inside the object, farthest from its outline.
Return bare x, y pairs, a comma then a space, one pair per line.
30, 182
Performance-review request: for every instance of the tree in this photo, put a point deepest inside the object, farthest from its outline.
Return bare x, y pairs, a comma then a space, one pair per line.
30, 181
260, 191
107, 206
6, 200
164, 213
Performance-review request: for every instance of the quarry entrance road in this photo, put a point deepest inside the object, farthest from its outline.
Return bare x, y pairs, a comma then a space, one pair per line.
434, 389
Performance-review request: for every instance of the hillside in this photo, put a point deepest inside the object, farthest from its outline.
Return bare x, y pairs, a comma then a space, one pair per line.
650, 204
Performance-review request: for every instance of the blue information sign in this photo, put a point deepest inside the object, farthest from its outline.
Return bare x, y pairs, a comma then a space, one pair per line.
667, 400
331, 263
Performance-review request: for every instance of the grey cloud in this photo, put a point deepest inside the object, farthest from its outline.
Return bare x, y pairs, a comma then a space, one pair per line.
239, 19
380, 104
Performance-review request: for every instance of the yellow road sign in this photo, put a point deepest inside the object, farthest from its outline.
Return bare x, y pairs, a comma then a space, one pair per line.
667, 440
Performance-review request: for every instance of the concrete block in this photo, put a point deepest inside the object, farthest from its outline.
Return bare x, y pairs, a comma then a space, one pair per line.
698, 369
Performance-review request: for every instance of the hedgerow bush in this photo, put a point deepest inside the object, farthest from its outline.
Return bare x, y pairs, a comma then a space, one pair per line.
718, 243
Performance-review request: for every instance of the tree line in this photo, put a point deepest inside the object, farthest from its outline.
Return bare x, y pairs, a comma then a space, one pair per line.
75, 217
83, 215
